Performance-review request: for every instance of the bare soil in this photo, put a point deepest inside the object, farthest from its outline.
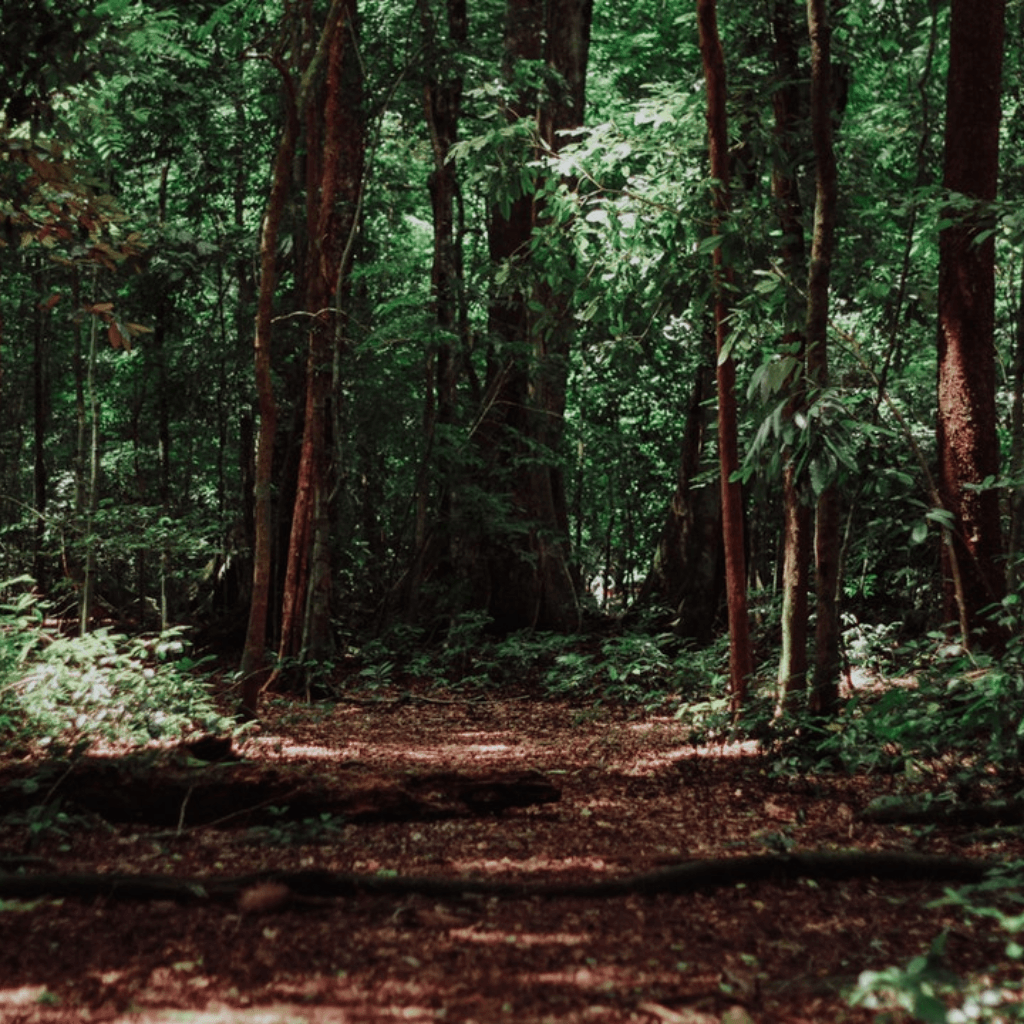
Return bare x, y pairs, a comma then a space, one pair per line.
635, 796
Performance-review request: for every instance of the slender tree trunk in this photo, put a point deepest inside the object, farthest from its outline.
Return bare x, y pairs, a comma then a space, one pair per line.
924, 176
163, 415
792, 675
41, 419
1013, 546
967, 442
92, 493
442, 103
246, 298
828, 518
72, 560
254, 653
306, 624
688, 569
741, 663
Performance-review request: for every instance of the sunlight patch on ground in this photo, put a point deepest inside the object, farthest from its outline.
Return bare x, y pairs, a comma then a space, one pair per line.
277, 1014
601, 979
747, 748
661, 759
275, 748
26, 995
522, 939
507, 866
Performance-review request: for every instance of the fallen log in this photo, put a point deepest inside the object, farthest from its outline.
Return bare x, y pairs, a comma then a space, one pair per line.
146, 792
924, 811
316, 886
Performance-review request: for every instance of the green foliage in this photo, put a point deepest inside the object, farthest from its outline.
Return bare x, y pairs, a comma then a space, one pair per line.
285, 830
935, 706
633, 667
65, 692
919, 988
927, 987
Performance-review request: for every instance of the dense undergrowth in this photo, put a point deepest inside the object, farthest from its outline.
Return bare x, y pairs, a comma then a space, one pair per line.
943, 723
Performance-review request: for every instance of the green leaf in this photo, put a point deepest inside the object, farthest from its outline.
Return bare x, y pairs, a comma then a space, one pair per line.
942, 516
709, 244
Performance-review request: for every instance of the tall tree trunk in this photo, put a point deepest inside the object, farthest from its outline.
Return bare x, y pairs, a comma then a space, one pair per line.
306, 624
442, 103
529, 581
254, 653
1013, 544
792, 674
741, 662
827, 539
253, 668
967, 443
41, 419
163, 414
92, 478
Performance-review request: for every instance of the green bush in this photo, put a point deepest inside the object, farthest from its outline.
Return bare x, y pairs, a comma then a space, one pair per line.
69, 692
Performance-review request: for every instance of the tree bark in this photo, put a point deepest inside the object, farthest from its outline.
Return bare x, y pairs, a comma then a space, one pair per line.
792, 674
967, 442
741, 664
688, 572
445, 360
827, 540
528, 581
254, 653
335, 186
1016, 535
41, 420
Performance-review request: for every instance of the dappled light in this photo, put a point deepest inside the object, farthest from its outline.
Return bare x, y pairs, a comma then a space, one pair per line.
511, 511
634, 799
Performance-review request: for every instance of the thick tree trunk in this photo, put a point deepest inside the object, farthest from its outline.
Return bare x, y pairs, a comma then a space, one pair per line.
967, 443
827, 541
525, 560
741, 664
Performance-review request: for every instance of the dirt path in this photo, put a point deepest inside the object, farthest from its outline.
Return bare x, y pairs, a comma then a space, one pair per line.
634, 798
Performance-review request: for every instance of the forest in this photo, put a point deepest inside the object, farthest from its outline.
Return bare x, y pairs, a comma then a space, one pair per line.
663, 362
324, 325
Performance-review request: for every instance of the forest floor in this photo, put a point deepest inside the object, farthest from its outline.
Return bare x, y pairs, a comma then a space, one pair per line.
635, 796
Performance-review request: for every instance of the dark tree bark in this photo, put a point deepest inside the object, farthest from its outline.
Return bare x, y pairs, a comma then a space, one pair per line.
254, 652
41, 420
741, 663
443, 106
334, 183
792, 675
825, 681
445, 360
688, 572
967, 442
528, 580
1016, 532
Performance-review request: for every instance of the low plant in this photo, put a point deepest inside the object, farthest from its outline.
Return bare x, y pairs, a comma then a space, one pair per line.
62, 692
929, 990
283, 830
